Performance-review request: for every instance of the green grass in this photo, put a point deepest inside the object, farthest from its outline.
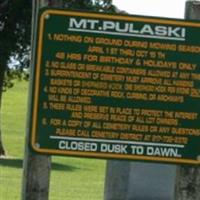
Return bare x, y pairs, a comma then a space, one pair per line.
13, 117
71, 178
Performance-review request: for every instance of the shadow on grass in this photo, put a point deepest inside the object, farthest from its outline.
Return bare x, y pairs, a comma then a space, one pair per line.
18, 163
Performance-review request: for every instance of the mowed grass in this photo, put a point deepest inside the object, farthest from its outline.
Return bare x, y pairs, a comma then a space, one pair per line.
71, 178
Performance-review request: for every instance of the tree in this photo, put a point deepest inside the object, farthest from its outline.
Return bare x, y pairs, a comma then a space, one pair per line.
15, 26
93, 5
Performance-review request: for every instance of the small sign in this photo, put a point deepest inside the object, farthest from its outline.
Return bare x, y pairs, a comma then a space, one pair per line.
116, 86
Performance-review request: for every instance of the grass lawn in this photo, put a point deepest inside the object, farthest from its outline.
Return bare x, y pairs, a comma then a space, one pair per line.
71, 178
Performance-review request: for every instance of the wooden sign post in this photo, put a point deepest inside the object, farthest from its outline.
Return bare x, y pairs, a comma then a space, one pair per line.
36, 173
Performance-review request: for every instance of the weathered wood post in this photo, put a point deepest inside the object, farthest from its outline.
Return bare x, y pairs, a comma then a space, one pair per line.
36, 173
188, 178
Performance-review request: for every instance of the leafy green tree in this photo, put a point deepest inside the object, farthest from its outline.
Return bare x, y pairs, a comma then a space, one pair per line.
15, 26
93, 5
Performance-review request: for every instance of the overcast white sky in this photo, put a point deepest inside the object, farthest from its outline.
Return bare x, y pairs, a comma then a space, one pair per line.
161, 8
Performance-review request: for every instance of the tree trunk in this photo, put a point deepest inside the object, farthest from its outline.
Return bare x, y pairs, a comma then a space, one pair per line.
2, 71
2, 150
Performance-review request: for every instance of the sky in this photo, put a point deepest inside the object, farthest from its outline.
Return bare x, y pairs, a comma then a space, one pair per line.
158, 8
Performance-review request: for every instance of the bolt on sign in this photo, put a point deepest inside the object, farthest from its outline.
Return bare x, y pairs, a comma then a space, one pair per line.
116, 86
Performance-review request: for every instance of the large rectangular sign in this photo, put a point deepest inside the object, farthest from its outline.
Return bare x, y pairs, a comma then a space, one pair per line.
116, 86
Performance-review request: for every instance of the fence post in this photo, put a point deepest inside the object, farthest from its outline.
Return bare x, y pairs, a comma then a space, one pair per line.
188, 178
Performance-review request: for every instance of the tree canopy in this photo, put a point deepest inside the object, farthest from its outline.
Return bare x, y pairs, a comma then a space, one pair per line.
15, 32
15, 29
